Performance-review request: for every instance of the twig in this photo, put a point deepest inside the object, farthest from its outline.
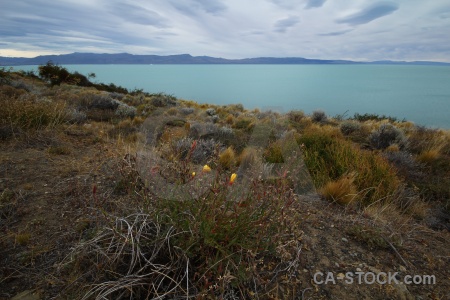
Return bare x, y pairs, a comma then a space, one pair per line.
396, 252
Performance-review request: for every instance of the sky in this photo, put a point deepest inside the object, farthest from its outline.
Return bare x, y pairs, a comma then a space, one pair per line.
361, 30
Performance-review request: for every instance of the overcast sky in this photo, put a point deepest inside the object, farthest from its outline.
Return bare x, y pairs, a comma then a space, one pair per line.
324, 29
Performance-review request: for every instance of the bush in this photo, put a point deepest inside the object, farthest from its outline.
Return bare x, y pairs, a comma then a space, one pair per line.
296, 116
163, 100
54, 74
102, 101
319, 116
387, 135
210, 112
349, 127
187, 110
125, 111
201, 154
373, 117
76, 116
405, 164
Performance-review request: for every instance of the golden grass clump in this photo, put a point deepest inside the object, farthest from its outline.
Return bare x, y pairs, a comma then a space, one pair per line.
342, 191
393, 148
428, 156
230, 119
172, 111
227, 159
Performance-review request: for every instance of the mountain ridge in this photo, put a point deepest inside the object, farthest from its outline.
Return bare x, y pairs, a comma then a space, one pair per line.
126, 58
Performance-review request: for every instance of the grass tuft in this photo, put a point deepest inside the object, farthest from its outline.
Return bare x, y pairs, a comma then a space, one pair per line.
342, 191
227, 159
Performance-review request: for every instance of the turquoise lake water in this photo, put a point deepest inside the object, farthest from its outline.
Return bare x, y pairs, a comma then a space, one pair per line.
417, 93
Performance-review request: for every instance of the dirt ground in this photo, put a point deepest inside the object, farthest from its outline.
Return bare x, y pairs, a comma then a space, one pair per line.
47, 182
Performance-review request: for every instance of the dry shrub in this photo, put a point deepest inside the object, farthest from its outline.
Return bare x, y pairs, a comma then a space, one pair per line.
342, 191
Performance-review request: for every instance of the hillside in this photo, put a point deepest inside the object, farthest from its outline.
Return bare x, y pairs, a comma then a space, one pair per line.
112, 194
125, 58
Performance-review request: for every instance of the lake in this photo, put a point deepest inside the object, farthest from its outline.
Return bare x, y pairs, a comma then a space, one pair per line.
417, 93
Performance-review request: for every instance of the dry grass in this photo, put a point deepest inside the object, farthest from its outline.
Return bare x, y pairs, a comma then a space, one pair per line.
342, 191
227, 159
428, 156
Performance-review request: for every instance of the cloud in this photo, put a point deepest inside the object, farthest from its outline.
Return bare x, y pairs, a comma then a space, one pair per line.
212, 6
195, 7
229, 28
137, 14
284, 24
314, 3
335, 33
286, 4
370, 13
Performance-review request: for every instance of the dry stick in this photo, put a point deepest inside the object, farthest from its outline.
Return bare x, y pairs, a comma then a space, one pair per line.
396, 252
187, 279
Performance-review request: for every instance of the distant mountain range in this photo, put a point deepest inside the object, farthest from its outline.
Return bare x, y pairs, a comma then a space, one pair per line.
125, 58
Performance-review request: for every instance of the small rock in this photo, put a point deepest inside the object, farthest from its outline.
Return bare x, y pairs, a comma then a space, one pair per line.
344, 240
305, 271
336, 264
402, 269
332, 226
358, 270
340, 276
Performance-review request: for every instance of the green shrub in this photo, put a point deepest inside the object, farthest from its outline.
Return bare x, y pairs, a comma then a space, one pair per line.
373, 117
